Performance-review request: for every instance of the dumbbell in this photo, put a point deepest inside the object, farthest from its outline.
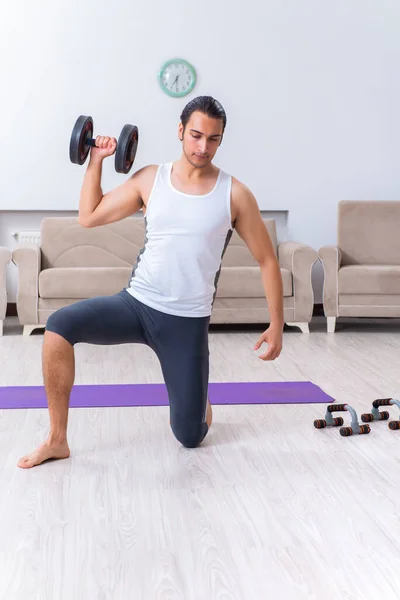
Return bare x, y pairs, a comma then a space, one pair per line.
82, 140
329, 421
376, 415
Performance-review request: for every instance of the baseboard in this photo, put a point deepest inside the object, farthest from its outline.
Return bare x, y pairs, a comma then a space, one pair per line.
12, 310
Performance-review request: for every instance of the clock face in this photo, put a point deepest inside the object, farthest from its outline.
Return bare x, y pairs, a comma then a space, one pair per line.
177, 77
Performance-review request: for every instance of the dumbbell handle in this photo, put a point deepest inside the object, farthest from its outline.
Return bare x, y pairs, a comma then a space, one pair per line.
382, 402
91, 142
337, 407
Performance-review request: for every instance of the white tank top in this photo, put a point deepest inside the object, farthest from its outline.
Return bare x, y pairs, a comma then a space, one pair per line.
177, 269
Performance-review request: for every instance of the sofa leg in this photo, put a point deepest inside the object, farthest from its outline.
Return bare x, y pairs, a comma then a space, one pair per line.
29, 328
303, 326
331, 324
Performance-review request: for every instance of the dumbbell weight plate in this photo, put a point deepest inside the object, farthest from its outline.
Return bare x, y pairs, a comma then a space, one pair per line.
126, 148
82, 131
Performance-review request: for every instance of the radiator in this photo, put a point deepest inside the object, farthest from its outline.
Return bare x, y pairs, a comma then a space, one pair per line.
27, 237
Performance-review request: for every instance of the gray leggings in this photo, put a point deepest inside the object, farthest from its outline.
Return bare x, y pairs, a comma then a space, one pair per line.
181, 344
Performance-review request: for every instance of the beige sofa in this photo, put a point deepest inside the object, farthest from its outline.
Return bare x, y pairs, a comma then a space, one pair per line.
5, 257
362, 272
73, 262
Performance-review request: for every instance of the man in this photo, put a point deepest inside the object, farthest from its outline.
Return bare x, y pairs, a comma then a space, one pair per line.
190, 208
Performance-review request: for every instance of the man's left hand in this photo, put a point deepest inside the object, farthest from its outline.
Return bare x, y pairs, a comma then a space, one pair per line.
273, 337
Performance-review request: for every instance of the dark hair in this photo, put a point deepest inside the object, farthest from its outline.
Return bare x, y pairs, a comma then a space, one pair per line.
207, 105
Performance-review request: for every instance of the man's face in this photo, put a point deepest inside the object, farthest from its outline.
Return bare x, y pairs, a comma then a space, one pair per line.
201, 139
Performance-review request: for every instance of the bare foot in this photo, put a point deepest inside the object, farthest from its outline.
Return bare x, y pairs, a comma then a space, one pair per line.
209, 414
46, 451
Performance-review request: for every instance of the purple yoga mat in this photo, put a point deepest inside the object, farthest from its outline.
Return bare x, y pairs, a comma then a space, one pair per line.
155, 394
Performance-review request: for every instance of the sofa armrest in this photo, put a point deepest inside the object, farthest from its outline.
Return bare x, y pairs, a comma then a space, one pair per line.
27, 258
5, 257
331, 257
299, 260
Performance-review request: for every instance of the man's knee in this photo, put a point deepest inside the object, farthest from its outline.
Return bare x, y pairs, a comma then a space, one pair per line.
190, 435
60, 322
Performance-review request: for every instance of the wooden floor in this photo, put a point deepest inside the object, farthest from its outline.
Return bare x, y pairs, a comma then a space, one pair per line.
267, 508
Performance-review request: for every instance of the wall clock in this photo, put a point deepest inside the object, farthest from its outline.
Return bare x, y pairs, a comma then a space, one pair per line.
177, 77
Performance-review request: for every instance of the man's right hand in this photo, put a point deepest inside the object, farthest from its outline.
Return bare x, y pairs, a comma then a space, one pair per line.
105, 146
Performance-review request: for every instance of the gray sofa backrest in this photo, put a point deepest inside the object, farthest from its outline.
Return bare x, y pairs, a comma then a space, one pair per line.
237, 254
369, 232
65, 243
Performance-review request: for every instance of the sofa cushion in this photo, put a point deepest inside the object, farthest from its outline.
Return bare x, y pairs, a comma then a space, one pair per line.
372, 300
246, 282
82, 282
369, 279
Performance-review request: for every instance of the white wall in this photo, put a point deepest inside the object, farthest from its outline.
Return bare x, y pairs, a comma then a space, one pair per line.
311, 90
